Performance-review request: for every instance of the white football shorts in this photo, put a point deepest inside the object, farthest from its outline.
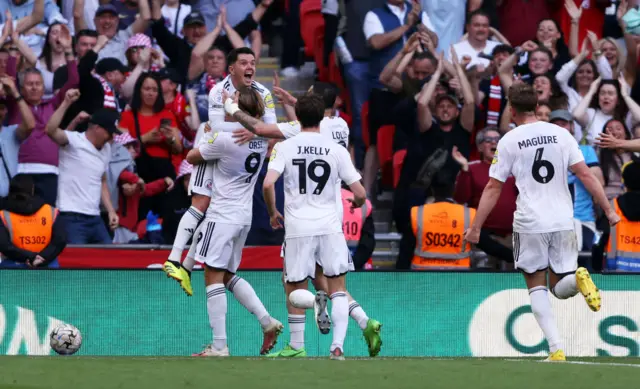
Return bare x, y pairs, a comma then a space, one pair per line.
220, 245
201, 179
301, 254
535, 252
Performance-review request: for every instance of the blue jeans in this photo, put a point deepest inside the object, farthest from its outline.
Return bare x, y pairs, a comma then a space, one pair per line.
8, 264
356, 76
84, 229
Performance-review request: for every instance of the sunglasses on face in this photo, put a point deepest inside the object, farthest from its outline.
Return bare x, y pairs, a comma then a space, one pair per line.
135, 49
491, 139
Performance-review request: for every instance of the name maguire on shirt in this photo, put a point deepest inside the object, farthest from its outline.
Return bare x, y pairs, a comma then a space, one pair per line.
537, 141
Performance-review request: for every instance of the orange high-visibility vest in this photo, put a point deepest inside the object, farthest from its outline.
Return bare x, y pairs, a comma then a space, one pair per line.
32, 232
353, 221
439, 229
623, 249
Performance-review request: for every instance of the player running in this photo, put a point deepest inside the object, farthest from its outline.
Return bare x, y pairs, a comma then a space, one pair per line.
538, 155
312, 164
338, 130
242, 69
226, 226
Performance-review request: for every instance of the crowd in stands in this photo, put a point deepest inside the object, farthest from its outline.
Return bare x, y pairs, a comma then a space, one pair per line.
419, 80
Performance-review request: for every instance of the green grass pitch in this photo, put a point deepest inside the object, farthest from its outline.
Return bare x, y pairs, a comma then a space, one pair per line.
405, 373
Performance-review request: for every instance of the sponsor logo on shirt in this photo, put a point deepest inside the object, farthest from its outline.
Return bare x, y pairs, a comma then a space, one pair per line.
273, 155
495, 158
268, 101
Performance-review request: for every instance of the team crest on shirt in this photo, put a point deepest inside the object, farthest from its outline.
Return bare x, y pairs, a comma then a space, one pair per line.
495, 158
208, 184
268, 101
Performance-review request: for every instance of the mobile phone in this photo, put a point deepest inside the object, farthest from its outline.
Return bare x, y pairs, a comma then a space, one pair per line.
165, 122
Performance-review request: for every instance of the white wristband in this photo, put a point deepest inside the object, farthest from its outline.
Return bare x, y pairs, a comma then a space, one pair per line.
230, 107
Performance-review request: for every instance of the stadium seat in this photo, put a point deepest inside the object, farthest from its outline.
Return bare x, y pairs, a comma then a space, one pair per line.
385, 153
141, 228
310, 19
318, 54
398, 160
334, 72
364, 122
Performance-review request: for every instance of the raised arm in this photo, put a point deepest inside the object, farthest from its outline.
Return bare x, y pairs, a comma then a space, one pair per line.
566, 72
468, 112
33, 19
580, 111
390, 75
574, 13
28, 122
196, 65
24, 49
78, 15
235, 38
379, 41
142, 66
53, 129
252, 124
634, 108
630, 42
143, 20
425, 118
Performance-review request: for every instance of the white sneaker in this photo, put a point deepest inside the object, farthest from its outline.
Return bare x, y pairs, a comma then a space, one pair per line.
209, 351
289, 72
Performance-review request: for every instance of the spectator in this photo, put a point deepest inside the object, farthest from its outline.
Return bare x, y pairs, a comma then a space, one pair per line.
106, 20
583, 211
135, 45
179, 50
31, 234
85, 11
355, 59
292, 40
477, 41
612, 160
33, 18
359, 231
549, 91
419, 67
472, 178
131, 188
435, 238
10, 136
174, 14
448, 20
622, 254
386, 29
155, 128
176, 103
549, 36
613, 102
205, 71
177, 203
235, 11
85, 41
491, 93
615, 55
84, 159
38, 155
543, 110
127, 11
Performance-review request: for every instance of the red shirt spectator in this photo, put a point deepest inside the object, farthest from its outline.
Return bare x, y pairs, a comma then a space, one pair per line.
519, 18
592, 17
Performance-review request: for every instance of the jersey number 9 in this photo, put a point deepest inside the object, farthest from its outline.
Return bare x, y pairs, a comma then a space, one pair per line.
320, 179
252, 165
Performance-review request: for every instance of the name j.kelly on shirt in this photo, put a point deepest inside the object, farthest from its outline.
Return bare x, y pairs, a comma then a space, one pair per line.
313, 150
537, 141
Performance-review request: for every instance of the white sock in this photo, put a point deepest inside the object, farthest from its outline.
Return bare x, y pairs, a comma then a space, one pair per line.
244, 293
189, 262
340, 319
357, 313
541, 308
217, 310
190, 259
566, 287
186, 228
296, 331
302, 299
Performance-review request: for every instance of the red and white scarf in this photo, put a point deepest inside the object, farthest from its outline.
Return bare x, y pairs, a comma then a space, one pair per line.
109, 94
495, 102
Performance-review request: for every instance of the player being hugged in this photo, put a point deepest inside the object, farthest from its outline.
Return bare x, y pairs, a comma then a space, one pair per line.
335, 128
226, 225
538, 155
242, 70
311, 164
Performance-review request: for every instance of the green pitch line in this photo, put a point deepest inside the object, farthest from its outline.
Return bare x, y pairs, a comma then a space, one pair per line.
160, 373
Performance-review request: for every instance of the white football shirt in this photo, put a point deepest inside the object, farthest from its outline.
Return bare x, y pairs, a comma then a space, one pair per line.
216, 105
235, 173
333, 127
311, 164
538, 155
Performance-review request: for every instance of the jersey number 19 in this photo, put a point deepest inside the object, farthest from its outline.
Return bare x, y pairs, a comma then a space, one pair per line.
320, 179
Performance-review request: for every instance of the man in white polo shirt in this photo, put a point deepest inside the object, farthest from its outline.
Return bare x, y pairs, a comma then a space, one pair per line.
84, 158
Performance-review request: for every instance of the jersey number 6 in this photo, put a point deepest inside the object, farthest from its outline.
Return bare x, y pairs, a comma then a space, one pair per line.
321, 179
539, 163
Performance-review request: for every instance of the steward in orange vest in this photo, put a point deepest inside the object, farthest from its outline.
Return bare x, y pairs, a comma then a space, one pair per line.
359, 231
29, 233
437, 231
622, 241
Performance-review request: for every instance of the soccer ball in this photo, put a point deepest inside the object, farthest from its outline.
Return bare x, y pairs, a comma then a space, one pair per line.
65, 339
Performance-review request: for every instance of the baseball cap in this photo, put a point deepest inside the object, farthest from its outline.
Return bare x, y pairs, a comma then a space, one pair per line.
560, 114
106, 8
107, 119
451, 98
169, 74
194, 17
109, 65
139, 40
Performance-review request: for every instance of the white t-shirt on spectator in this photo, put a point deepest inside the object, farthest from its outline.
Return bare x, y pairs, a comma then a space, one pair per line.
464, 48
372, 24
538, 155
81, 169
170, 14
595, 125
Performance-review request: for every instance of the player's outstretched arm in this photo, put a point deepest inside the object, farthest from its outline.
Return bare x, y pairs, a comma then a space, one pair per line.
589, 180
252, 124
359, 195
488, 201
